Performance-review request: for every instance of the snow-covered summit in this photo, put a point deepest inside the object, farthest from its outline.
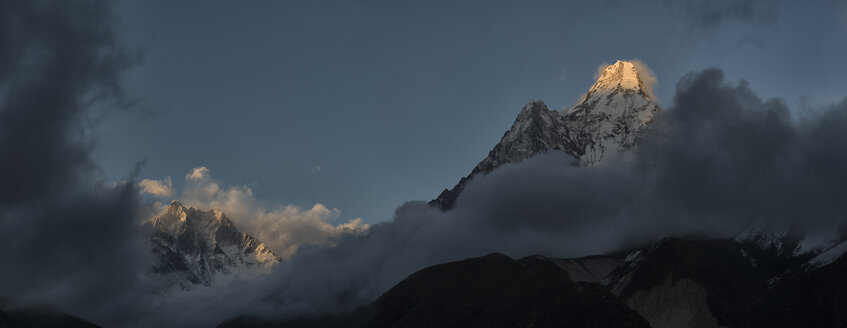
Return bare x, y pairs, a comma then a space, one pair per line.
613, 113
195, 247
604, 123
622, 75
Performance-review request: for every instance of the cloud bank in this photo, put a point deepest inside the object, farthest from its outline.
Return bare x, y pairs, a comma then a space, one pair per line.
283, 229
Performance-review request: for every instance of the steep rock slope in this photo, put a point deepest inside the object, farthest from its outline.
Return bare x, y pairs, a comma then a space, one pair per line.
195, 247
690, 283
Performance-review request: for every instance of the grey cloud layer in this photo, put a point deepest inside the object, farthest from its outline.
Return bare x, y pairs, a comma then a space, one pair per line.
69, 237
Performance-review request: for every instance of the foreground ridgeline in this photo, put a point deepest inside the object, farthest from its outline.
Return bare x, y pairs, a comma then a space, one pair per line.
489, 291
674, 283
606, 122
39, 317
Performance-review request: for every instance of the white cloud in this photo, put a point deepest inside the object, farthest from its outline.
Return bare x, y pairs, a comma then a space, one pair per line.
600, 70
160, 188
283, 229
197, 173
647, 77
287, 228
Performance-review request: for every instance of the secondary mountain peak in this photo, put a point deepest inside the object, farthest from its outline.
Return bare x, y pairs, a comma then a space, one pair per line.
198, 247
536, 130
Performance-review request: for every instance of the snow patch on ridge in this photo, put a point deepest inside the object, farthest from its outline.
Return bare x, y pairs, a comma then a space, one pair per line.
764, 237
827, 257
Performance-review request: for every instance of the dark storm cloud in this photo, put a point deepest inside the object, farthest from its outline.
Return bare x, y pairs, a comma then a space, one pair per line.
55, 60
724, 152
717, 160
69, 237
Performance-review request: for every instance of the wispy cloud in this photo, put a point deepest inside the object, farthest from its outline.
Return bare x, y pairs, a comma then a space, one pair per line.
70, 238
562, 75
159, 188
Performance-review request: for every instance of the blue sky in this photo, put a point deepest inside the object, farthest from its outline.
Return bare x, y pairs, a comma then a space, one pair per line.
395, 101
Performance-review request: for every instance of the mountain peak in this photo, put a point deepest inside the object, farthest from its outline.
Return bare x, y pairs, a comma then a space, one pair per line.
176, 210
622, 75
533, 113
605, 123
195, 246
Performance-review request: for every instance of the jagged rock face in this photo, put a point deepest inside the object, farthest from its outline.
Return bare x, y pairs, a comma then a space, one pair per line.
591, 269
681, 303
774, 249
777, 247
690, 283
717, 283
606, 122
195, 247
813, 296
536, 130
